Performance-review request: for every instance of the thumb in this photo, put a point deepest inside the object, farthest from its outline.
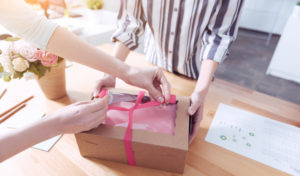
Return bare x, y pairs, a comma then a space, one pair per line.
98, 89
192, 109
156, 94
101, 103
105, 99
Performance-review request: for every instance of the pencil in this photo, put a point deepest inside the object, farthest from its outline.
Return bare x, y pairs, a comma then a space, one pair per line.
12, 113
15, 106
3, 92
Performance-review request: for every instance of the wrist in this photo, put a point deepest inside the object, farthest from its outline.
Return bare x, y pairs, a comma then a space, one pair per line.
201, 90
54, 127
130, 74
113, 78
125, 73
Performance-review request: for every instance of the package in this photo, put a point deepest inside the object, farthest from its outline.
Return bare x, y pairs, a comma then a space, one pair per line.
140, 131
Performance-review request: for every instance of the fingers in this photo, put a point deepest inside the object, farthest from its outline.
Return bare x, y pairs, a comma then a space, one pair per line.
166, 87
193, 108
160, 90
93, 120
95, 105
97, 118
156, 94
196, 103
98, 88
196, 125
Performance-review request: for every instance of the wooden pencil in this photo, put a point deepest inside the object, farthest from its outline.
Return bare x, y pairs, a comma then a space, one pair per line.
2, 119
15, 106
3, 92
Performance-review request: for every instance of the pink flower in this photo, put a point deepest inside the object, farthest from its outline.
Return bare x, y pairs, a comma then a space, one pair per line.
47, 58
39, 54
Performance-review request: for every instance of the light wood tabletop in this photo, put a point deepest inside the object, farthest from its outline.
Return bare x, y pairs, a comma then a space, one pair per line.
203, 158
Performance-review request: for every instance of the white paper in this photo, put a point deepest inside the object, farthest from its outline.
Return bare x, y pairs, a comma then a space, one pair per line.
270, 142
48, 144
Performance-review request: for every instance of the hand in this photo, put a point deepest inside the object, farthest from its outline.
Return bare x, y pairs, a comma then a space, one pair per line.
196, 111
151, 79
106, 81
81, 116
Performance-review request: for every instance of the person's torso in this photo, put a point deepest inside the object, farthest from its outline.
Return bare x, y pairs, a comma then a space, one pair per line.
174, 31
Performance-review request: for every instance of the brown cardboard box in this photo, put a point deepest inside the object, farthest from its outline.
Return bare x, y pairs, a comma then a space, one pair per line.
152, 150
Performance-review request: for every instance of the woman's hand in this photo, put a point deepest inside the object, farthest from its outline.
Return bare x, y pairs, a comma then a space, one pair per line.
151, 79
106, 81
81, 116
196, 111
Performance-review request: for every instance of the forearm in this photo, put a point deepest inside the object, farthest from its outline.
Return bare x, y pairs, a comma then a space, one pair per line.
20, 139
207, 71
69, 46
121, 51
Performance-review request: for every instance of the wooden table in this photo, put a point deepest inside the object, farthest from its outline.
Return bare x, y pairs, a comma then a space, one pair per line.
203, 158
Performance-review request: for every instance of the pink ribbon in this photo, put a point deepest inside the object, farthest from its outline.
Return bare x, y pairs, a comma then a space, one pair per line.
128, 134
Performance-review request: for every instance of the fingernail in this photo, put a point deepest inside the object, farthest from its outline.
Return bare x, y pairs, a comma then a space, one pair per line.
160, 99
94, 94
190, 112
166, 101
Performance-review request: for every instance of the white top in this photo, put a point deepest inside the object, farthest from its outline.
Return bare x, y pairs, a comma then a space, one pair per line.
18, 17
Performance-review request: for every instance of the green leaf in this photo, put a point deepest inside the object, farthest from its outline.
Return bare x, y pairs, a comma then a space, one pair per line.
34, 69
298, 3
6, 77
42, 70
1, 68
12, 39
17, 75
60, 59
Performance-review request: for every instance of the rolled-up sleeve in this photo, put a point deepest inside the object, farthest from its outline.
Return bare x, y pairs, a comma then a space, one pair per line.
18, 17
221, 30
130, 24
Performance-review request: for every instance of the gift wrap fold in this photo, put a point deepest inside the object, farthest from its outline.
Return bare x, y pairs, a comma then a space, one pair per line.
140, 131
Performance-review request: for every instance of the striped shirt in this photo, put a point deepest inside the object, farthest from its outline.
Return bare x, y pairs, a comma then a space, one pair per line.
179, 33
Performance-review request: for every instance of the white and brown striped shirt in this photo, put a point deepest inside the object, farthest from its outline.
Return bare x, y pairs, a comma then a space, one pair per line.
179, 33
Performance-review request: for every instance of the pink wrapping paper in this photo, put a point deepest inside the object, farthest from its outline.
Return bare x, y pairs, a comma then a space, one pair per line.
159, 119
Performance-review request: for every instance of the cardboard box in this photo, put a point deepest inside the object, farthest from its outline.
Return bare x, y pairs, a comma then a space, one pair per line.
152, 150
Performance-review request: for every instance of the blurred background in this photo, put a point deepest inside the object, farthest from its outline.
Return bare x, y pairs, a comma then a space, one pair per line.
265, 56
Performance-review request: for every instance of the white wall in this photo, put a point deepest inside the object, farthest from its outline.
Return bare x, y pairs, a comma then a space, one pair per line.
266, 15
286, 59
111, 5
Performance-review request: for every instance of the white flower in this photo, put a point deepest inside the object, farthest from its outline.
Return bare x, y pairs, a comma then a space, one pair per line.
20, 64
28, 75
6, 64
6, 48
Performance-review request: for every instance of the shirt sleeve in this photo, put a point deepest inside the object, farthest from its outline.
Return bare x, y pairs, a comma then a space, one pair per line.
221, 30
18, 17
130, 24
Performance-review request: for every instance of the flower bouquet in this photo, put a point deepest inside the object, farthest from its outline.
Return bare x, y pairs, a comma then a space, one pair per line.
20, 59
